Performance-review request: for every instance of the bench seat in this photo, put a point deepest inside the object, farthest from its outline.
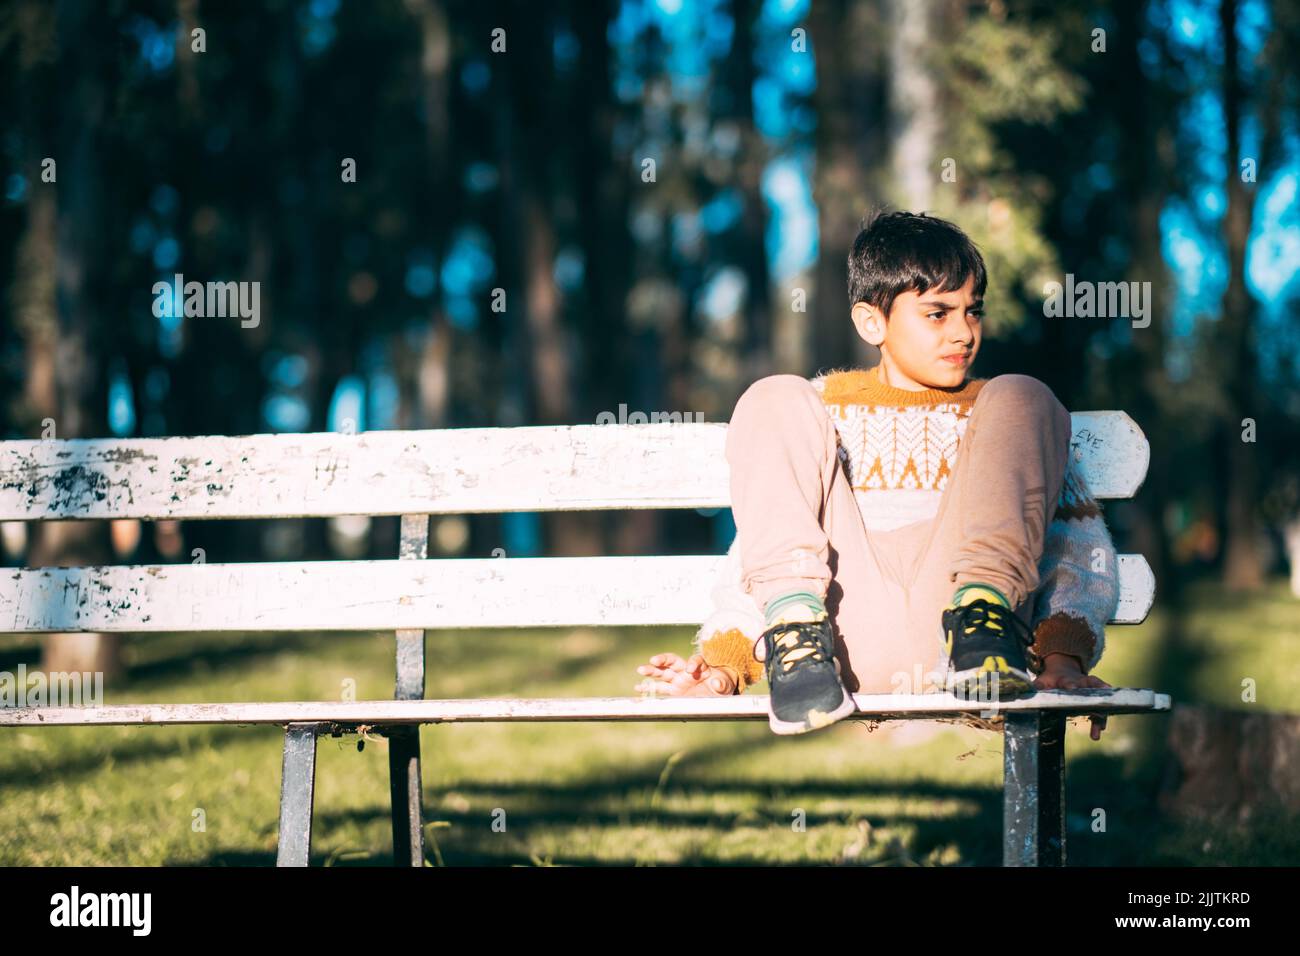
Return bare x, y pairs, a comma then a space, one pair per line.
351, 714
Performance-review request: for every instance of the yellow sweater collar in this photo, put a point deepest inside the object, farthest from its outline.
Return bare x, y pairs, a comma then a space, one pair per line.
859, 386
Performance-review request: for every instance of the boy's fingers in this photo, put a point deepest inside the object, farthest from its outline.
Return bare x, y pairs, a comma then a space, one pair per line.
658, 676
1068, 682
657, 687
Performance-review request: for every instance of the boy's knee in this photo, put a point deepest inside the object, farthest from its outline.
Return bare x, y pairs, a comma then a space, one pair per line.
1027, 392
1020, 390
1017, 388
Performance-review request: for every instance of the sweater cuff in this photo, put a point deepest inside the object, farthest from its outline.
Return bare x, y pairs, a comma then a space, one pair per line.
1062, 633
732, 648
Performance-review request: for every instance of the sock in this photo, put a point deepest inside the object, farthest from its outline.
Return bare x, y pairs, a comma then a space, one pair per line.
970, 592
794, 606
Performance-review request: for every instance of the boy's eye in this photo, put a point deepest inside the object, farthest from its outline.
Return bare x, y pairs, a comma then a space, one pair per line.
936, 315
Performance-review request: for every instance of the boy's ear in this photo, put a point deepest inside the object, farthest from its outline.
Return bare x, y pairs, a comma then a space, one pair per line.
869, 321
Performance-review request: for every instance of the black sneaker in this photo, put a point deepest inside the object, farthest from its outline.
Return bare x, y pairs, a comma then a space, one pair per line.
803, 676
987, 647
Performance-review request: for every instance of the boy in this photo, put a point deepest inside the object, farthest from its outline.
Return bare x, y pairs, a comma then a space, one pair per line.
879, 511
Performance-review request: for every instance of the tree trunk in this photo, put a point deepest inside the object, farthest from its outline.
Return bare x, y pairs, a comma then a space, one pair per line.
433, 379
80, 235
1229, 765
752, 253
539, 364
849, 106
1242, 564
1141, 385
602, 202
914, 119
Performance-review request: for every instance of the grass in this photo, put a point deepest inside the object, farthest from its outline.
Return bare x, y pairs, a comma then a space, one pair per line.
629, 794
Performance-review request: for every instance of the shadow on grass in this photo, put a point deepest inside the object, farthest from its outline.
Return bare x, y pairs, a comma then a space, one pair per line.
1133, 836
636, 799
145, 745
622, 798
468, 838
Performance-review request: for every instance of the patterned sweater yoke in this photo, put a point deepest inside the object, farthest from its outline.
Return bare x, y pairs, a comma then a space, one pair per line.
898, 446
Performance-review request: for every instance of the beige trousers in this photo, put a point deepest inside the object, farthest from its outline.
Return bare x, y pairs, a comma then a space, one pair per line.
800, 527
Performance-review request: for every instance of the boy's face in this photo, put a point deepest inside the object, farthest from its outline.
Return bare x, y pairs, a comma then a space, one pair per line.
930, 339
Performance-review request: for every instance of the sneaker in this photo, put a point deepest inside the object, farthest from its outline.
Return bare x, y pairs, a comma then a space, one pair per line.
987, 647
804, 688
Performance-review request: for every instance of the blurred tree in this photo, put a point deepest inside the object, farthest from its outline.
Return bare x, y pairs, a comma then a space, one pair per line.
995, 69
737, 83
850, 45
1242, 565
915, 120
59, 300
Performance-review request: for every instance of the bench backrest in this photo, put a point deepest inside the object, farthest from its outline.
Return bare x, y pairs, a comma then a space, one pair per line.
413, 474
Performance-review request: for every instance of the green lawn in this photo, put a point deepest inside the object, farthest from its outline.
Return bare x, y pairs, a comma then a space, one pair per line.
614, 793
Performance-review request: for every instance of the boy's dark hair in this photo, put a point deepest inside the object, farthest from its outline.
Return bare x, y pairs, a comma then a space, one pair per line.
901, 252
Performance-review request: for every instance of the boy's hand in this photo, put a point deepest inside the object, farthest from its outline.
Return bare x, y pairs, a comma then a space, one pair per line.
1065, 672
669, 674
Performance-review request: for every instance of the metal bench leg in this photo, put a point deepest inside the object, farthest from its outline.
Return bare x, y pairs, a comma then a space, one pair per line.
297, 782
1033, 808
404, 742
404, 784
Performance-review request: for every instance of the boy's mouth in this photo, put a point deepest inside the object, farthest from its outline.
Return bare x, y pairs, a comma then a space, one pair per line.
957, 358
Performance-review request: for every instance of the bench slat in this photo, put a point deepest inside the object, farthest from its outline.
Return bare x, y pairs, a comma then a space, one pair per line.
386, 595
444, 471
740, 707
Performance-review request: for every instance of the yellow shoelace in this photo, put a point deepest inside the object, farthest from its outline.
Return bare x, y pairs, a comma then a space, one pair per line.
992, 620
789, 640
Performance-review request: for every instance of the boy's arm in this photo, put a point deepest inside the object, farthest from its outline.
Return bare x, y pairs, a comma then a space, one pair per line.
1078, 588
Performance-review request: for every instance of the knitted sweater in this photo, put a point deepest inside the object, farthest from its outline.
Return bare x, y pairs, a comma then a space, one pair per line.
897, 449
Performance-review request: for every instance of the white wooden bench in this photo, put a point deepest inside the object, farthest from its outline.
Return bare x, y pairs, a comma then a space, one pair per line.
415, 475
